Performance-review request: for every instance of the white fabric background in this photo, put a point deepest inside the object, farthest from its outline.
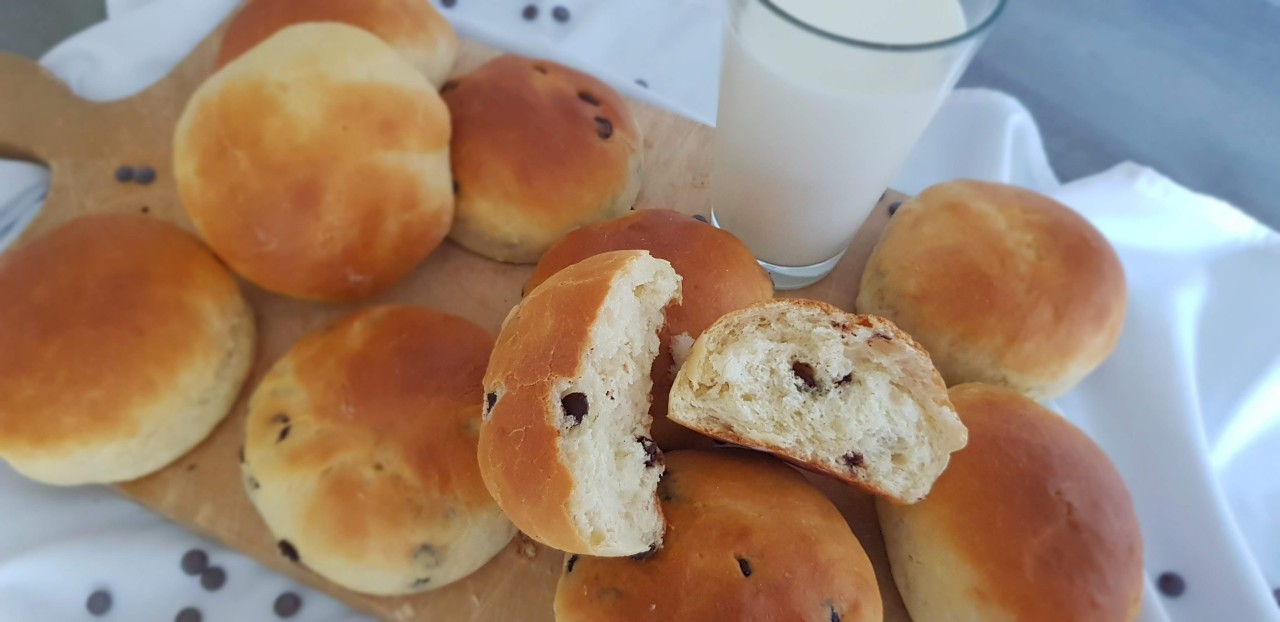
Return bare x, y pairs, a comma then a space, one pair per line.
1187, 407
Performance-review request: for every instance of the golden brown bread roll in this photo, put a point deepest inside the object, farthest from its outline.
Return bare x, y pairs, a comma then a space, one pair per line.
747, 539
317, 164
360, 452
565, 446
848, 395
123, 342
419, 33
538, 150
1000, 284
719, 275
1030, 522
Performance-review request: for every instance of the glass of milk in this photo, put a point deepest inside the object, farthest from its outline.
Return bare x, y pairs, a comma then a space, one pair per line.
821, 102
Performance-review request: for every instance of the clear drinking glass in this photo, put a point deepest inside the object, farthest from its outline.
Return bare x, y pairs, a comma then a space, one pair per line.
821, 102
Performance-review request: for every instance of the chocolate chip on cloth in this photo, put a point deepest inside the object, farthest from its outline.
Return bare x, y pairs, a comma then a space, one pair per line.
539, 150
719, 275
376, 485
747, 539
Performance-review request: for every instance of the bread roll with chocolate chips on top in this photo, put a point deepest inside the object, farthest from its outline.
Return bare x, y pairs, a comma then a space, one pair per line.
360, 452
1000, 284
1030, 522
317, 163
718, 274
565, 445
123, 343
748, 539
412, 27
847, 395
538, 150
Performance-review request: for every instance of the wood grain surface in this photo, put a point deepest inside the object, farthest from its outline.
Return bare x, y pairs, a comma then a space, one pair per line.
83, 143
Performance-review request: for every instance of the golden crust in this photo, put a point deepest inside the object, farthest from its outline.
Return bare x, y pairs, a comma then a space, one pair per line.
541, 345
420, 34
361, 451
1030, 522
124, 343
719, 275
316, 165
1001, 285
730, 512
529, 157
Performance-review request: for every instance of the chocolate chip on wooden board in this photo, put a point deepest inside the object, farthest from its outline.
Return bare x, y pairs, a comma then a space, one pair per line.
804, 372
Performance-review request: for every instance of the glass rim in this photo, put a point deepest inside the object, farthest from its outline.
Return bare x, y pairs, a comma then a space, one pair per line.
969, 33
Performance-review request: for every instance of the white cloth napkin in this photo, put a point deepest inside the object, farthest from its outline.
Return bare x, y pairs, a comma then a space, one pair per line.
1187, 407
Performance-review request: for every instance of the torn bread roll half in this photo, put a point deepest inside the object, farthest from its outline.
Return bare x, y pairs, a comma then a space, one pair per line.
564, 438
843, 394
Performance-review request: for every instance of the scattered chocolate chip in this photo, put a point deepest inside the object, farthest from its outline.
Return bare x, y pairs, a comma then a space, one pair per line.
145, 210
651, 449
845, 380
804, 372
642, 83
643, 555
253, 483
604, 128
540, 69
719, 442
530, 12
852, 459
445, 88
835, 615
700, 217
280, 418
448, 4
284, 433
560, 13
427, 556
145, 175
124, 174
744, 566
190, 614
589, 98
575, 407
568, 566
286, 549
194, 562
1276, 594
241, 453
287, 605
1171, 584
213, 578
421, 581
893, 207
881, 336
490, 400
99, 602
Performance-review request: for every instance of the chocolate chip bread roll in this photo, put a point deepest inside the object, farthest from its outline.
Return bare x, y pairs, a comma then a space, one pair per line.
747, 539
317, 163
123, 343
1000, 284
539, 149
413, 27
718, 274
843, 394
565, 445
360, 452
1030, 522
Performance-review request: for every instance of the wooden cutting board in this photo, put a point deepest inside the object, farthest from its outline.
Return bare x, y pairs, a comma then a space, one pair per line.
83, 143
